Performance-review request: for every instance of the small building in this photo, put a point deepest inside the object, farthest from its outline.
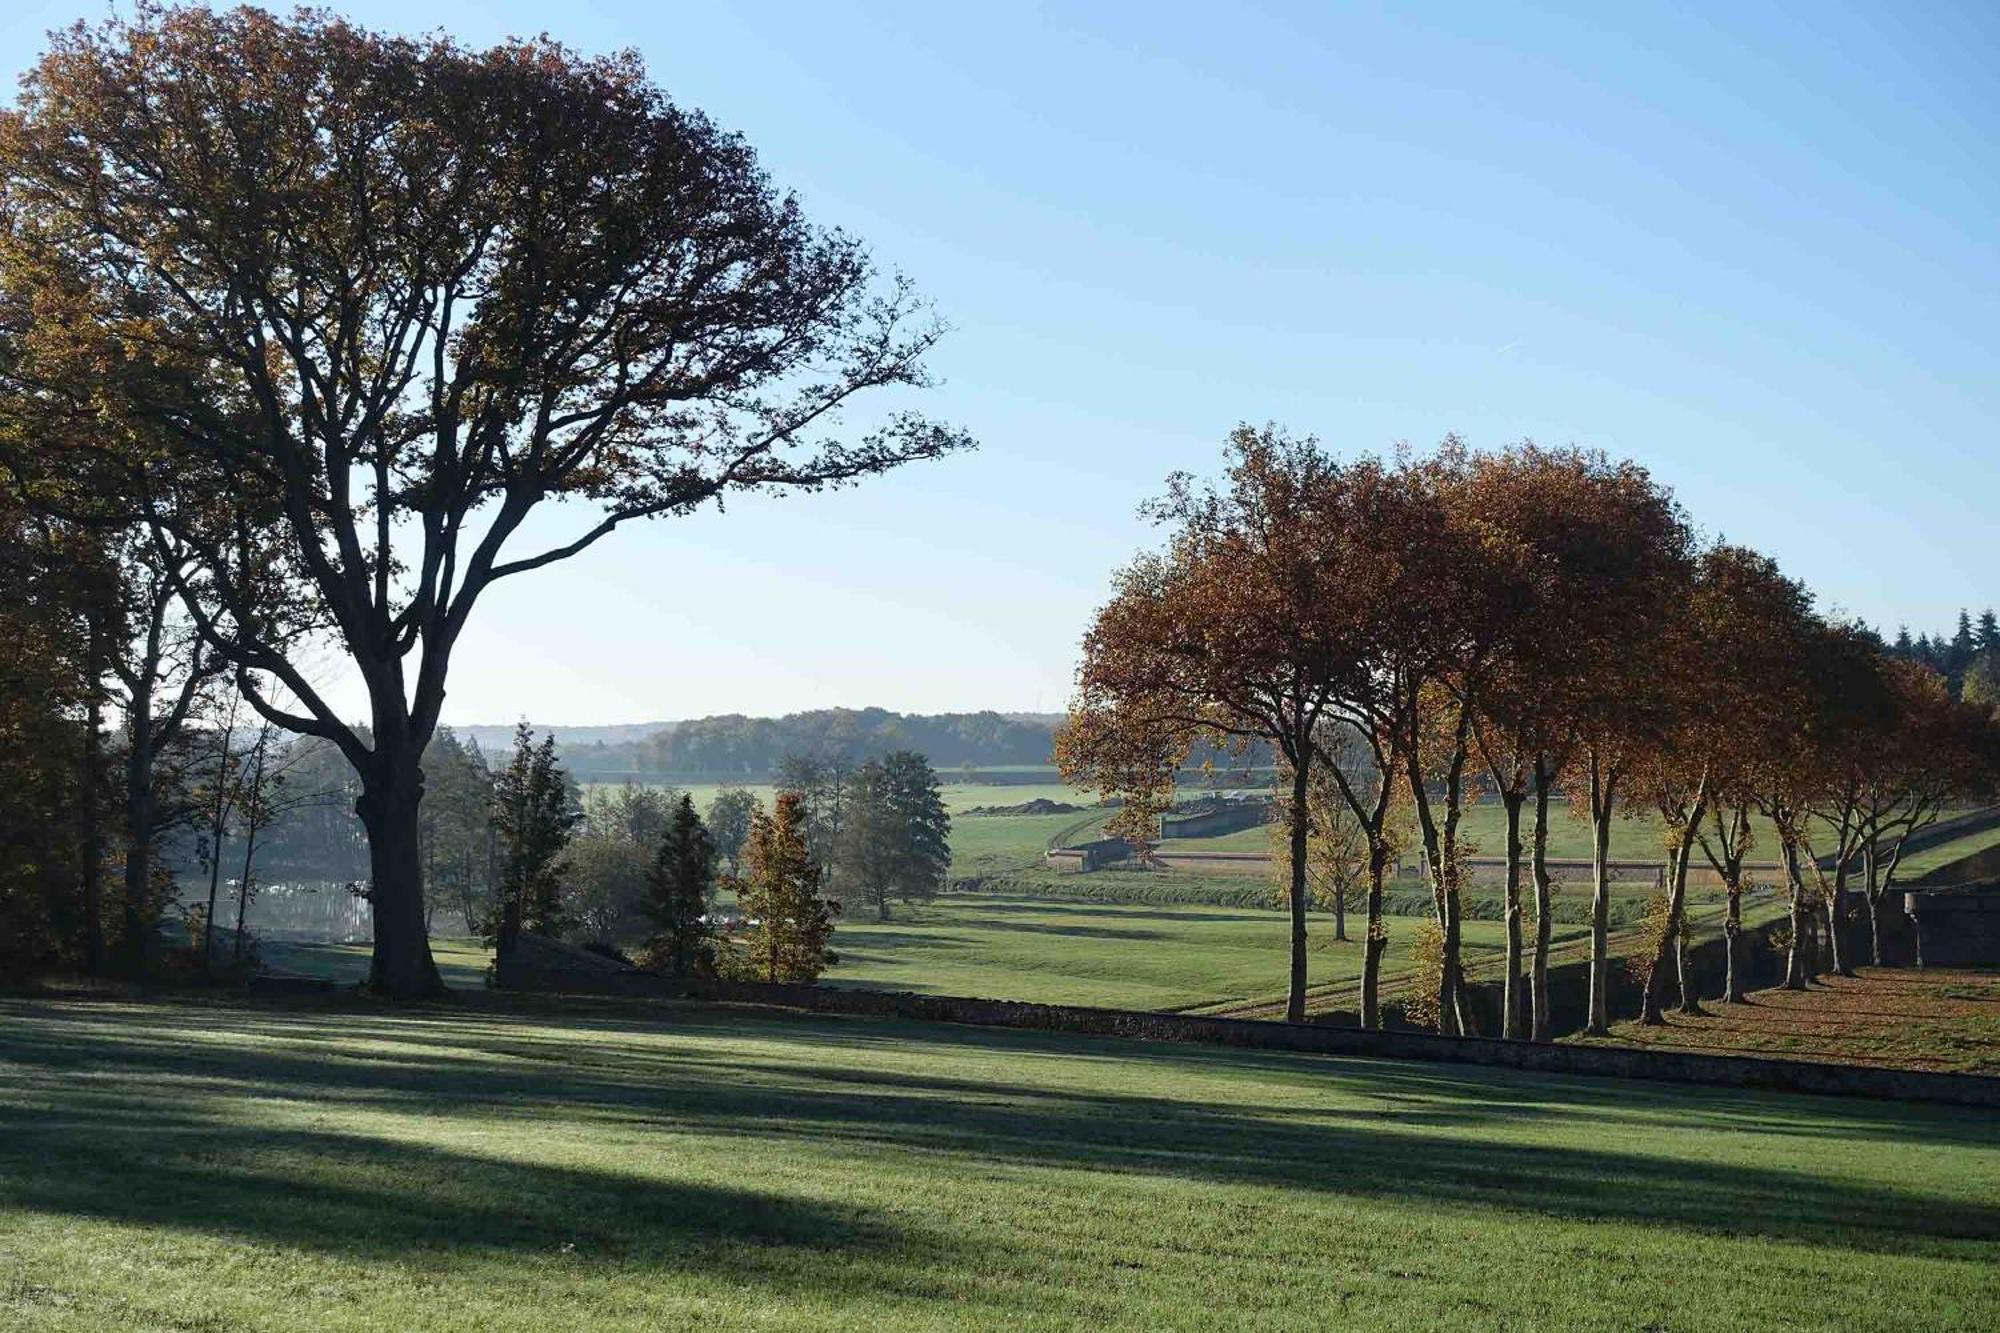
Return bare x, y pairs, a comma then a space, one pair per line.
1088, 856
1213, 819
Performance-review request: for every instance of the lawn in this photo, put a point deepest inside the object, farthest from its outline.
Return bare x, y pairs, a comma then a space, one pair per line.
1116, 955
203, 1165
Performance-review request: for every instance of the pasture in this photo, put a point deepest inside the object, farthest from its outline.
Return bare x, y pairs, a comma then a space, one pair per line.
204, 1165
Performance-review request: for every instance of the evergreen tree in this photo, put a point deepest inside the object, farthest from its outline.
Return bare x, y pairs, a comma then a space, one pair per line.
677, 897
534, 817
1986, 638
897, 840
1958, 654
453, 828
1904, 647
780, 893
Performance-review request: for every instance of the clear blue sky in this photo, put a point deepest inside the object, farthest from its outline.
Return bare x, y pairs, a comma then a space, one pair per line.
1752, 247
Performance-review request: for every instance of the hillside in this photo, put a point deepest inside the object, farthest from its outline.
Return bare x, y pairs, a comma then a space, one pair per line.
739, 747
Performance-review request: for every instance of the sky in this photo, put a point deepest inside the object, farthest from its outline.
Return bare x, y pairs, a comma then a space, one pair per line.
1753, 247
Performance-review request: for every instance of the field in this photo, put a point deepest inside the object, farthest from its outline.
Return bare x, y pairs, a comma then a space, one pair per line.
211, 1166
1931, 858
1116, 955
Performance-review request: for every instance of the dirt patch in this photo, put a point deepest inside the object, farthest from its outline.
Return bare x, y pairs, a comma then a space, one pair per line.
1038, 806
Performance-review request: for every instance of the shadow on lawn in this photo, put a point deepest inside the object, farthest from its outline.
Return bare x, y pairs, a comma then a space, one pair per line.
191, 1154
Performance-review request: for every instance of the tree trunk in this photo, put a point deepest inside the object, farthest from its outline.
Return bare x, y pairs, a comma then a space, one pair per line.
1377, 942
391, 790
1795, 957
1510, 985
90, 831
1652, 1010
138, 949
1836, 923
1340, 912
1301, 820
243, 883
1732, 931
1538, 1027
1869, 890
1599, 1024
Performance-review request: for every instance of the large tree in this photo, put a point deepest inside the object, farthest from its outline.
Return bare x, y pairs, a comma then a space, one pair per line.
896, 840
1223, 638
385, 297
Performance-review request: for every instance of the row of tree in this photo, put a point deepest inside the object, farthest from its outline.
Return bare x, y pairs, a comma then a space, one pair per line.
1412, 633
637, 862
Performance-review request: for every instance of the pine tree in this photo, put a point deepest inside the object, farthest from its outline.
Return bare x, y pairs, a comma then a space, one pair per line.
1904, 647
1986, 638
534, 816
780, 894
1958, 654
677, 893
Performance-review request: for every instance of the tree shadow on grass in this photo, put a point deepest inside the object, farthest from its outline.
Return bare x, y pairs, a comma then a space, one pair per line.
128, 1161
91, 1126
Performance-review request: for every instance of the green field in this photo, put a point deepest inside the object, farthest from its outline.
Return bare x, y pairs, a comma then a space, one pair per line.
1052, 952
1922, 863
213, 1166
1116, 955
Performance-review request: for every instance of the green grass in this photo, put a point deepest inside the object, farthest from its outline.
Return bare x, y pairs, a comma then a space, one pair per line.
1931, 858
461, 961
585, 1167
1115, 955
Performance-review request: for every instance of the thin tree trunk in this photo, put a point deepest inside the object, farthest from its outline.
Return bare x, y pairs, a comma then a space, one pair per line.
1511, 995
1732, 932
217, 828
1601, 797
1377, 941
90, 831
1670, 947
1544, 927
1836, 923
138, 949
391, 791
1869, 891
1795, 957
1340, 912
1301, 821
243, 888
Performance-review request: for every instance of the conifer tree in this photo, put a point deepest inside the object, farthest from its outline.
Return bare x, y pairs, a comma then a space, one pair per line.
780, 895
677, 893
534, 817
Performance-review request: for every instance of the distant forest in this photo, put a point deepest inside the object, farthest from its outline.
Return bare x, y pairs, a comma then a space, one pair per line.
748, 749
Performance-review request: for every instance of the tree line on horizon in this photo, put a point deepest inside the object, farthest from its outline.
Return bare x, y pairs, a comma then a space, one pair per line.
1528, 625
